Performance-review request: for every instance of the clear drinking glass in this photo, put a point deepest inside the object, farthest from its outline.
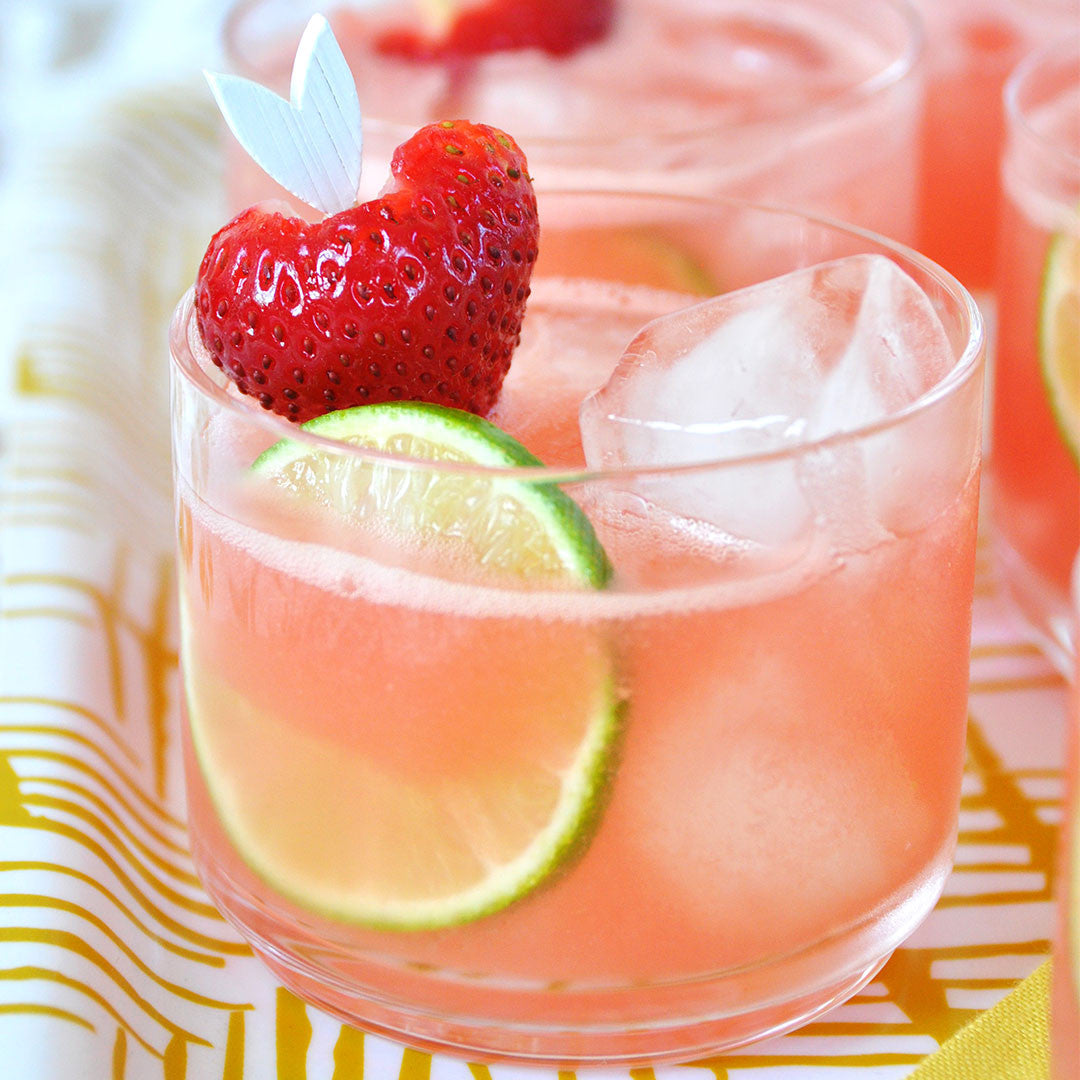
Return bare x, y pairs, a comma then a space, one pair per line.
774, 728
1036, 400
972, 45
1065, 999
807, 103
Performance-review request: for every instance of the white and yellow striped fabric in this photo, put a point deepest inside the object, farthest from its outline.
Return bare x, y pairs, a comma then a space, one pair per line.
112, 962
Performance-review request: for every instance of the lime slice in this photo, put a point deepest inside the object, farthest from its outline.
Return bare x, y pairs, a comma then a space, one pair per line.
529, 531
629, 256
364, 835
1059, 336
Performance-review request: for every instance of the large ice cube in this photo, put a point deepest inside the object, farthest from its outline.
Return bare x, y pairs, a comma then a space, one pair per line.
812, 353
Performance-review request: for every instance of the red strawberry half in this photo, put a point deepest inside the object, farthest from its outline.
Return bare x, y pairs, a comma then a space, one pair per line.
417, 295
558, 27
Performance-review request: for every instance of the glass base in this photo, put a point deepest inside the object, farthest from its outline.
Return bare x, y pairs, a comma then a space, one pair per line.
1043, 606
492, 1019
669, 1044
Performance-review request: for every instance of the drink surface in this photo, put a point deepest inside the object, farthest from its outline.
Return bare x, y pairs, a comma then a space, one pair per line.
788, 718
1036, 480
769, 101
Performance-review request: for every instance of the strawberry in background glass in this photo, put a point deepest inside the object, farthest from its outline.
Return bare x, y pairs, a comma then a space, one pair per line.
807, 103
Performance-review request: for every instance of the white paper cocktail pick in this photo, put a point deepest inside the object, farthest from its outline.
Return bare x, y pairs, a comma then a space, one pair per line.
311, 144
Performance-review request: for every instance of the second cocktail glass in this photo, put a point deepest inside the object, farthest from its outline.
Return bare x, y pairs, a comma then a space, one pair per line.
972, 46
1036, 428
1065, 995
806, 103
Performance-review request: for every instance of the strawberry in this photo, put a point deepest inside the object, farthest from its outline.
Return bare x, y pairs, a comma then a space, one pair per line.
558, 27
417, 295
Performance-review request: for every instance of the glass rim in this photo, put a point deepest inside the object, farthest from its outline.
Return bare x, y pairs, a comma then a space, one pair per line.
1050, 7
903, 62
1033, 65
183, 359
1053, 9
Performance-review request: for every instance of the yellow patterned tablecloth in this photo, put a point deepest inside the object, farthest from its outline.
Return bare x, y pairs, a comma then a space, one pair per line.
112, 963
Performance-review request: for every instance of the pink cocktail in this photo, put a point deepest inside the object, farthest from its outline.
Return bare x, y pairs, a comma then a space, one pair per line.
807, 103
972, 45
762, 737
1036, 389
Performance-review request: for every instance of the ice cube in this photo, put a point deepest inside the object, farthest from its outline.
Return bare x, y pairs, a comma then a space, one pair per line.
895, 351
815, 352
788, 807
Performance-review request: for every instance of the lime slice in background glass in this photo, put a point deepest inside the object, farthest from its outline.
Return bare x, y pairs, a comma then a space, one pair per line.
1059, 336
628, 256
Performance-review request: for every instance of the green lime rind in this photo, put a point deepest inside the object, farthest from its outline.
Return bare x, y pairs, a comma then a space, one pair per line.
580, 788
553, 849
1059, 353
684, 270
473, 441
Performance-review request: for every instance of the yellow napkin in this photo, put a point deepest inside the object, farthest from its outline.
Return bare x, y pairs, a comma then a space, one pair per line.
1011, 1041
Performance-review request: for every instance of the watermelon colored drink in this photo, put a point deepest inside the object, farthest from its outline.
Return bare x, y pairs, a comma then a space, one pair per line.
679, 731
972, 45
1037, 388
807, 103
